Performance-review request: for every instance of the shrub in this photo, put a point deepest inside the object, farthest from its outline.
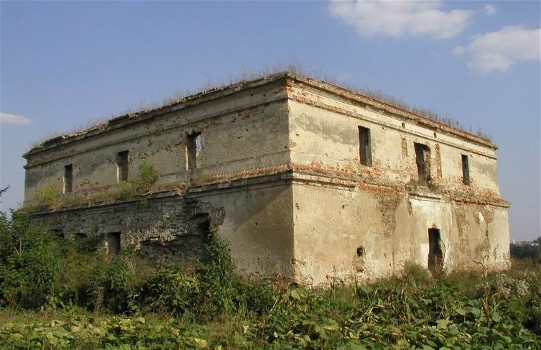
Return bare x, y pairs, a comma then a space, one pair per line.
29, 263
146, 178
140, 184
169, 291
46, 196
416, 275
218, 279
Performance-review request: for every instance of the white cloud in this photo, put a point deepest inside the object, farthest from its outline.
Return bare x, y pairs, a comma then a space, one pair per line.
401, 18
490, 10
498, 51
6, 118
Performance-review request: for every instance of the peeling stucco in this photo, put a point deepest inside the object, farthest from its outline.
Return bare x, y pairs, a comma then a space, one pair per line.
278, 174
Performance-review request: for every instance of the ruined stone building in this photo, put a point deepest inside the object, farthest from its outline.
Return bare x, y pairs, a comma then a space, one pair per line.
304, 179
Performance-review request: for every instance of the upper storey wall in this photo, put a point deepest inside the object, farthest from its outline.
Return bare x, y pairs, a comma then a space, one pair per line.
325, 136
227, 133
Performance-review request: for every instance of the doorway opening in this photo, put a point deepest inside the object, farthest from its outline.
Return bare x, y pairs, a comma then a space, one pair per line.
435, 253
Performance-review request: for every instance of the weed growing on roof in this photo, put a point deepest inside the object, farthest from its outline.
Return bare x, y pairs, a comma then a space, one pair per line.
246, 76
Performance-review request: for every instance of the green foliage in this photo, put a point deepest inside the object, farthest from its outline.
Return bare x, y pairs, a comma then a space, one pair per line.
88, 243
111, 285
208, 306
170, 291
218, 279
146, 177
140, 184
124, 190
106, 333
28, 263
46, 196
416, 275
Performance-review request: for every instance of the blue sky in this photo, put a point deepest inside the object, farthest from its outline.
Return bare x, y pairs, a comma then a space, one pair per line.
66, 65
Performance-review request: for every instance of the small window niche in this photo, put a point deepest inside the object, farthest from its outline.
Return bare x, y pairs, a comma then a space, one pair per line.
112, 240
68, 178
422, 159
465, 170
365, 147
122, 165
194, 149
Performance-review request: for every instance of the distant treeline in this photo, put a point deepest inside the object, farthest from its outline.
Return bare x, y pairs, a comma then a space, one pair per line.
527, 250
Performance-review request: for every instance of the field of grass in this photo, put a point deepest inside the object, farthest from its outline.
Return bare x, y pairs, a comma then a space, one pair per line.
56, 294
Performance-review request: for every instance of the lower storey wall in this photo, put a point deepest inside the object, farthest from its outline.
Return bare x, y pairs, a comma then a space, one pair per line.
364, 233
255, 221
310, 234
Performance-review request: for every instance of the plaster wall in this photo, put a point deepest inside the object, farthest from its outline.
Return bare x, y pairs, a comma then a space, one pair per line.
365, 233
238, 133
324, 135
258, 225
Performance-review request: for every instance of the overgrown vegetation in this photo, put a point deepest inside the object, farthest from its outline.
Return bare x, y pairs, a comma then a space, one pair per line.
140, 185
46, 196
60, 295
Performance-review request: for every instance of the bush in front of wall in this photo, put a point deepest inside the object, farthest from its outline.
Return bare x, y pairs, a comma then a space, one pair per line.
29, 263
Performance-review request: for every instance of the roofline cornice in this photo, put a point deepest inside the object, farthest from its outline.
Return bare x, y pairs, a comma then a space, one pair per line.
234, 88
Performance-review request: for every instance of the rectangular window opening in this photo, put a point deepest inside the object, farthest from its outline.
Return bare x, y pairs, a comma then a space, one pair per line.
122, 162
112, 240
465, 170
194, 148
422, 159
68, 178
365, 148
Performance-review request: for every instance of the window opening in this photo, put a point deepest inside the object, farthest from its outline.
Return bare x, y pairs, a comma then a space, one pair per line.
68, 178
122, 165
465, 170
435, 253
113, 242
360, 252
422, 158
365, 148
194, 148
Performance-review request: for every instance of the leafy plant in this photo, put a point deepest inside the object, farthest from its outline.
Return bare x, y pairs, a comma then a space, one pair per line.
146, 177
46, 196
28, 263
218, 279
169, 291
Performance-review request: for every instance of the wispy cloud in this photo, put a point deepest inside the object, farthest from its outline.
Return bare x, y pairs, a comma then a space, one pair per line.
401, 18
6, 118
490, 10
498, 51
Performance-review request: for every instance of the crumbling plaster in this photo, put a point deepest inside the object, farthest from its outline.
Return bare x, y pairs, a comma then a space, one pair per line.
279, 176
